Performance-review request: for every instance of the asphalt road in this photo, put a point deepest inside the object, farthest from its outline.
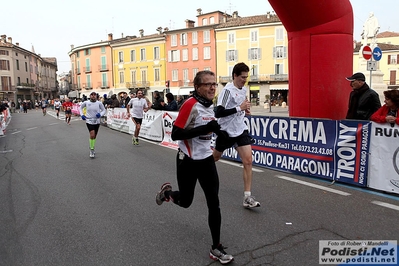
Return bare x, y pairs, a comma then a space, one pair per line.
59, 207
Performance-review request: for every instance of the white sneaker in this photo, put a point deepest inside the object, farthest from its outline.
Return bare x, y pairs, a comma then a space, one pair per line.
92, 153
250, 202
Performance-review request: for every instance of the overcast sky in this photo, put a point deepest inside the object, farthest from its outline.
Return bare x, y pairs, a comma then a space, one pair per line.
51, 26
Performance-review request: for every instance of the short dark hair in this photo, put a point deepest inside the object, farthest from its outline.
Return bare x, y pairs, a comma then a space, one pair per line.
239, 68
170, 96
198, 77
393, 95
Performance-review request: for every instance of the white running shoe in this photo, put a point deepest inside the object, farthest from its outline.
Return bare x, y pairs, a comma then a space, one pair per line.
220, 255
250, 202
92, 153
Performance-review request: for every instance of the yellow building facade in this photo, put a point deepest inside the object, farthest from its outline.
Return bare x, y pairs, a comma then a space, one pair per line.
139, 63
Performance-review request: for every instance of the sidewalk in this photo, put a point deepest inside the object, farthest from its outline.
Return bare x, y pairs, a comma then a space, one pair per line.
275, 111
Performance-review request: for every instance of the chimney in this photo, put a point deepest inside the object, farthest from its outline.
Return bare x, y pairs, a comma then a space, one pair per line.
189, 23
268, 15
3, 38
122, 34
199, 11
9, 39
141, 32
166, 29
159, 30
235, 14
109, 36
225, 17
17, 43
72, 46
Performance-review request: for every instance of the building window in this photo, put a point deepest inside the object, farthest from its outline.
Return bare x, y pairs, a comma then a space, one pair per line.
104, 82
120, 57
279, 52
212, 20
132, 55
142, 54
26, 67
207, 52
204, 22
254, 36
195, 71
185, 75
195, 53
3, 52
156, 53
207, 36
231, 38
231, 55
194, 37
88, 80
175, 75
133, 75
174, 56
279, 34
144, 76
121, 77
103, 49
278, 69
87, 51
157, 76
4, 65
173, 40
183, 39
185, 54
103, 63
393, 59
254, 54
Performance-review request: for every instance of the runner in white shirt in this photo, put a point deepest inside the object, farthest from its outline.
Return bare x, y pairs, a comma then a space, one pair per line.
231, 108
57, 107
94, 110
138, 105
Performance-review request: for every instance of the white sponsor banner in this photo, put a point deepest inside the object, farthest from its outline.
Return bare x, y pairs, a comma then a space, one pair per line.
117, 119
168, 119
151, 128
384, 158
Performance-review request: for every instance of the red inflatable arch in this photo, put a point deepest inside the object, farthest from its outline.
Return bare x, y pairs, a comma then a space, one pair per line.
320, 52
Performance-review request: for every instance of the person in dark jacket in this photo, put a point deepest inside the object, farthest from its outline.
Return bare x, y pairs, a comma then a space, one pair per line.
363, 101
114, 101
172, 104
158, 102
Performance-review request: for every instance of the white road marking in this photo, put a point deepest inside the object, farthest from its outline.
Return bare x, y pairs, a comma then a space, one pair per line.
31, 128
6, 151
386, 205
53, 124
240, 165
16, 132
314, 185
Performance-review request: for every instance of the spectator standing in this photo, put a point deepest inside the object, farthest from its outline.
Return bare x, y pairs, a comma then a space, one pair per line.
363, 101
158, 102
179, 101
114, 101
13, 105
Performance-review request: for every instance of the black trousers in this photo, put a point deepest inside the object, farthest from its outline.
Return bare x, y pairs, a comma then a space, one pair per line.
188, 172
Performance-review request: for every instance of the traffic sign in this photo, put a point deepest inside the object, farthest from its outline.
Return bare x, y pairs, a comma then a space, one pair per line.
366, 52
377, 53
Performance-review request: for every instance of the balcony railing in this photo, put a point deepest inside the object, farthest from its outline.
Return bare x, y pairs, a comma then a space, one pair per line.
87, 69
7, 88
103, 85
143, 84
185, 83
258, 78
77, 70
103, 68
